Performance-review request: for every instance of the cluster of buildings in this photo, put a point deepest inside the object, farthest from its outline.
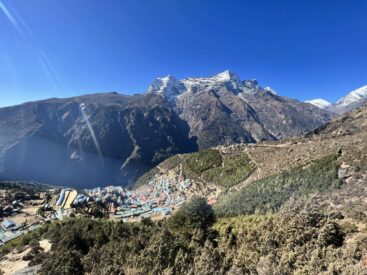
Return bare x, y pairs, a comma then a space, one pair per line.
19, 216
13, 222
159, 198
66, 203
10, 230
9, 204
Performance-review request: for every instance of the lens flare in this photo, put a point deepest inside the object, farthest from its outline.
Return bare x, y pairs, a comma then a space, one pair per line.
49, 71
26, 32
90, 128
11, 17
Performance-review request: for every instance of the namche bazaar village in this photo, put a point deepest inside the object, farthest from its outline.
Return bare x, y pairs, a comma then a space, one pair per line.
156, 200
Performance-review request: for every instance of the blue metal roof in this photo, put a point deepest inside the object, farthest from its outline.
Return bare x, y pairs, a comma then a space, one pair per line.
8, 223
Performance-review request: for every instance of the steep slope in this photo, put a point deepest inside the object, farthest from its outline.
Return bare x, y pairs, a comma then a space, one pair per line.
222, 109
89, 140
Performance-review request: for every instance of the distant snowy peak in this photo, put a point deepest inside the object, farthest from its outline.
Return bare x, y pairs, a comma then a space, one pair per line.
321, 103
159, 84
270, 90
202, 83
353, 97
226, 76
168, 86
171, 88
353, 100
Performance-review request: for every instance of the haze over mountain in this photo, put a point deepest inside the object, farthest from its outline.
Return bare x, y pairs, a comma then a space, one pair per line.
104, 139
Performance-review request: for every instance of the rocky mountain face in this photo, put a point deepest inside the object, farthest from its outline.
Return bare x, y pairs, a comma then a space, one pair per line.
222, 109
351, 101
84, 141
105, 139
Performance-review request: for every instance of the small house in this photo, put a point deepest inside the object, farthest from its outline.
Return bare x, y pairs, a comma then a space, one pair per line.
8, 224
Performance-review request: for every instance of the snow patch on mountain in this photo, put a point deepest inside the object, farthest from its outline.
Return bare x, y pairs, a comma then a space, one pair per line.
203, 83
270, 90
226, 76
319, 102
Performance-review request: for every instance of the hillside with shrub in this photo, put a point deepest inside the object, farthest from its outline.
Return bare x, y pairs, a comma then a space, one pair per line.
209, 166
269, 194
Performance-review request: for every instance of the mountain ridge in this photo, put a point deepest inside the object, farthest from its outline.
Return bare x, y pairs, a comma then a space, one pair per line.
110, 138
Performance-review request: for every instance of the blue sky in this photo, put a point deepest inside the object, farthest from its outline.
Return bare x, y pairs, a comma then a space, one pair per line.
60, 48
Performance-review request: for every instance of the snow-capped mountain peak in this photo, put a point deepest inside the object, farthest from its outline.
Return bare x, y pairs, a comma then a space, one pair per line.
270, 90
168, 86
351, 101
171, 88
354, 99
226, 76
319, 102
159, 84
353, 96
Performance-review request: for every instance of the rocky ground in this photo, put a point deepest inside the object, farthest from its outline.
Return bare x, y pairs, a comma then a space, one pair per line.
16, 261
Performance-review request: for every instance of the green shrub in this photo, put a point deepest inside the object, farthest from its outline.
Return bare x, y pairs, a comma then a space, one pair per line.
331, 234
269, 194
233, 171
208, 165
194, 214
203, 160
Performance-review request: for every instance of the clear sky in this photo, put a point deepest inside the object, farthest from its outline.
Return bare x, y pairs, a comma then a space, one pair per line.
59, 48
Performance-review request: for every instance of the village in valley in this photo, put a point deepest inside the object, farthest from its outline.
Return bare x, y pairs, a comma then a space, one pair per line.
157, 199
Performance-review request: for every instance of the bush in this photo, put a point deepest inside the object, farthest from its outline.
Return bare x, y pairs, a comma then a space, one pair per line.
234, 170
63, 262
194, 214
331, 234
203, 160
